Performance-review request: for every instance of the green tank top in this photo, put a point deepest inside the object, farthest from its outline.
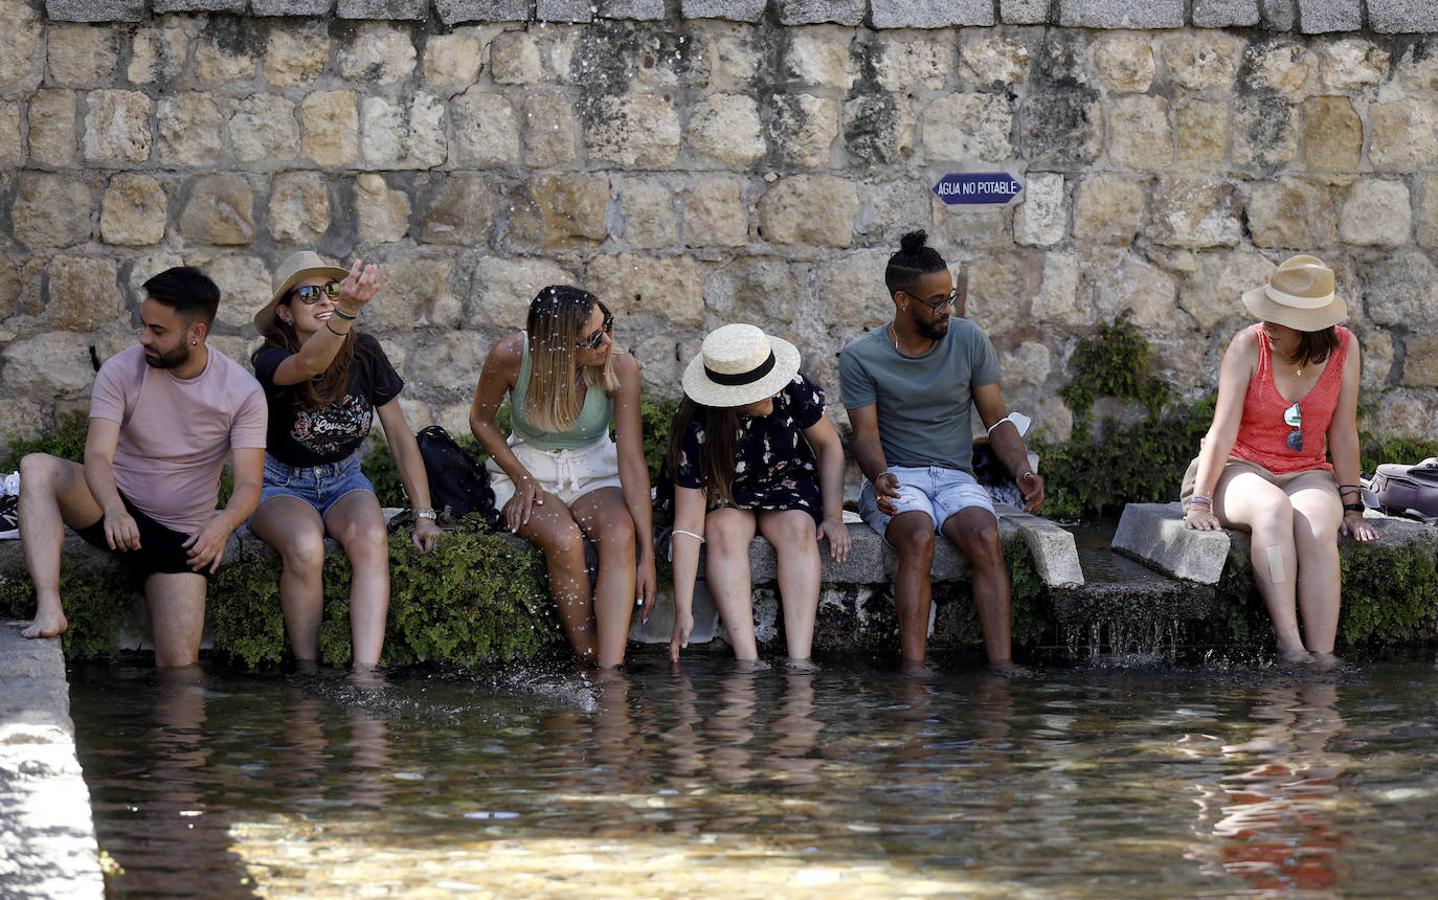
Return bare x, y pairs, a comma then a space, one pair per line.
591, 424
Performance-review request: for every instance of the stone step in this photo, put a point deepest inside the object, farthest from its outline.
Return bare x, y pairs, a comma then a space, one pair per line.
1154, 534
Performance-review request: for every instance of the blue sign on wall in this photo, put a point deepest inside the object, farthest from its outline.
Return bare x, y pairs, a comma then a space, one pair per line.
993, 188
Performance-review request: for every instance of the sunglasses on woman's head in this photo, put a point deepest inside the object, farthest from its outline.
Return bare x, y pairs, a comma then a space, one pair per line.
311, 294
594, 341
1293, 417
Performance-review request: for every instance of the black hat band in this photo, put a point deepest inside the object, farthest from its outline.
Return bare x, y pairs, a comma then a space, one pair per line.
742, 378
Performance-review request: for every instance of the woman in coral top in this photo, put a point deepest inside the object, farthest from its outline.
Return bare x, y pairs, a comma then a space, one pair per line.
1287, 392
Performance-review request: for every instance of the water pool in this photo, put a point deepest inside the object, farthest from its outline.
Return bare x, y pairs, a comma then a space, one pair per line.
854, 781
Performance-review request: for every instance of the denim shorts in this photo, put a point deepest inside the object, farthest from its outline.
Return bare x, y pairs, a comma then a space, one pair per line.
937, 491
319, 486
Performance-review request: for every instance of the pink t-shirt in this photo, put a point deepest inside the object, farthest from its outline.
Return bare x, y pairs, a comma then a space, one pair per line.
175, 434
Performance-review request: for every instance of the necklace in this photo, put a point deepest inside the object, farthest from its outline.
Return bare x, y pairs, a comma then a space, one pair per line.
893, 337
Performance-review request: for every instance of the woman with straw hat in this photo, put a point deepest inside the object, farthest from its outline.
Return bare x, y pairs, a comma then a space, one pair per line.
559, 478
324, 381
1287, 391
751, 449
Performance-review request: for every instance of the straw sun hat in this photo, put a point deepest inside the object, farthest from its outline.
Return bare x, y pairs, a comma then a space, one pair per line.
1300, 295
738, 365
296, 268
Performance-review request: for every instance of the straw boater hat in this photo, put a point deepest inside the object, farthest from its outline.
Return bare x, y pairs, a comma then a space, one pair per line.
1300, 295
738, 365
296, 268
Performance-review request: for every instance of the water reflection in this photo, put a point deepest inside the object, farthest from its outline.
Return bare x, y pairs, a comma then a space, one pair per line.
848, 781
1278, 813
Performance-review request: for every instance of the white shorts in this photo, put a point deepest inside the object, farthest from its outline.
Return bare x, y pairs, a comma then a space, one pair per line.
567, 474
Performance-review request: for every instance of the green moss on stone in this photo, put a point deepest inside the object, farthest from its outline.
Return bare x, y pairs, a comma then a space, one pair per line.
99, 605
477, 599
1389, 595
1093, 475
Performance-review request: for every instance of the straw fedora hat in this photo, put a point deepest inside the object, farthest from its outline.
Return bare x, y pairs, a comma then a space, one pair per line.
738, 365
296, 268
1300, 295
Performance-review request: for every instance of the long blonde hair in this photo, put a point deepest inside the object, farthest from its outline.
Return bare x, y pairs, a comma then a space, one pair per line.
557, 316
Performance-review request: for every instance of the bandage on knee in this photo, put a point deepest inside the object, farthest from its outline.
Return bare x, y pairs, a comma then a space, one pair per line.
1276, 572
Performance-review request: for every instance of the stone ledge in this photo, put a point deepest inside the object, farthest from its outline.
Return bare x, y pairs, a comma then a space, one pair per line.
50, 848
1154, 533
1306, 16
870, 564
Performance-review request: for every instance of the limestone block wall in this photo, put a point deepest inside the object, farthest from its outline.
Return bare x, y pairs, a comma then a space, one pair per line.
696, 162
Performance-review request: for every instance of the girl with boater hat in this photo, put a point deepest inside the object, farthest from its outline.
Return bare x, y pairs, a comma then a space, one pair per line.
559, 477
750, 448
325, 381
1287, 391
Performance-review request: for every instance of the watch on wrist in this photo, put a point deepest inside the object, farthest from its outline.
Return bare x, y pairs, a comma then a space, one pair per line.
426, 512
1353, 507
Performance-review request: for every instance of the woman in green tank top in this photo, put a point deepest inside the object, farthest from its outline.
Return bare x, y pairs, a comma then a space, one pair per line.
559, 478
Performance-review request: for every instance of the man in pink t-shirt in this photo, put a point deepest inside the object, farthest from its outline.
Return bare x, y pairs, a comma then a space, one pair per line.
164, 415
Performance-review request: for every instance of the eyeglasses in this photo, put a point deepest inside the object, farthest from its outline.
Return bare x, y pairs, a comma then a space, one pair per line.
1293, 417
951, 301
595, 340
311, 294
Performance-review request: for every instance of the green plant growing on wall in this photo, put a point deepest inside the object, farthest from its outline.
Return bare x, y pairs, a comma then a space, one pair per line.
67, 441
1140, 462
98, 606
477, 599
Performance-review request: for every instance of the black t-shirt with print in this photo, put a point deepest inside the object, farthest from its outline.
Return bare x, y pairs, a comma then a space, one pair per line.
775, 467
304, 438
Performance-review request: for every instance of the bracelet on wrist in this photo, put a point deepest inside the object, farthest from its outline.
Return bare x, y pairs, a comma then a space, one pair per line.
346, 316
1354, 507
426, 512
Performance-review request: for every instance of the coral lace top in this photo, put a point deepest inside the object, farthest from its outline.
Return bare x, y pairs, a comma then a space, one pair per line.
1263, 433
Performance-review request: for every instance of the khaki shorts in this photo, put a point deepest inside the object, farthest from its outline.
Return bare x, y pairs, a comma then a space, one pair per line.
1235, 465
567, 474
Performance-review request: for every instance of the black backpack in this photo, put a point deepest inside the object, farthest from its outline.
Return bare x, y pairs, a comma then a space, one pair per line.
1408, 490
458, 483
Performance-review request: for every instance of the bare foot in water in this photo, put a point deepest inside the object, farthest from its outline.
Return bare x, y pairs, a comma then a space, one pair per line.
1009, 669
48, 623
1325, 662
1292, 659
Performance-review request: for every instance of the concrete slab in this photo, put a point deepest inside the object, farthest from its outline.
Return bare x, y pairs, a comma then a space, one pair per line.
47, 838
1154, 533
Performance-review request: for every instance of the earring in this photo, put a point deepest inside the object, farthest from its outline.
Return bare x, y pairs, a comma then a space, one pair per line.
194, 343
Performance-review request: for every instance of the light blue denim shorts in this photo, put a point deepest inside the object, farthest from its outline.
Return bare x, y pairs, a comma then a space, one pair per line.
937, 491
320, 486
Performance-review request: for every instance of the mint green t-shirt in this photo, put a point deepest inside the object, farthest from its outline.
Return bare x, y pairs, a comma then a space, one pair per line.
923, 402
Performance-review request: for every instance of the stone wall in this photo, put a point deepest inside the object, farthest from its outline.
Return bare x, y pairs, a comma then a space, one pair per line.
696, 162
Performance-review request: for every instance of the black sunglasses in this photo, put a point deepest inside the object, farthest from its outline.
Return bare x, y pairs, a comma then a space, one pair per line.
951, 301
597, 338
311, 294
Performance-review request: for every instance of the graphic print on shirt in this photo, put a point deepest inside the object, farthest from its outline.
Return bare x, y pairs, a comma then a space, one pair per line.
326, 431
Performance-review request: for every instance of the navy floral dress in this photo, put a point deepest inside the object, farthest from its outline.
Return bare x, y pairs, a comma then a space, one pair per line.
775, 468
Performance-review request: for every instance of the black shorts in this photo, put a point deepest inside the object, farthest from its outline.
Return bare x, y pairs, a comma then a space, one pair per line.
162, 549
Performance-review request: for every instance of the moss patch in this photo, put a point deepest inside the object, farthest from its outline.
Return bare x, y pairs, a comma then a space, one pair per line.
477, 599
1089, 476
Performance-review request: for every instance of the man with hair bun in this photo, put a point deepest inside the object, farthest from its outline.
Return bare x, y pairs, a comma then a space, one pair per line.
164, 415
909, 388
